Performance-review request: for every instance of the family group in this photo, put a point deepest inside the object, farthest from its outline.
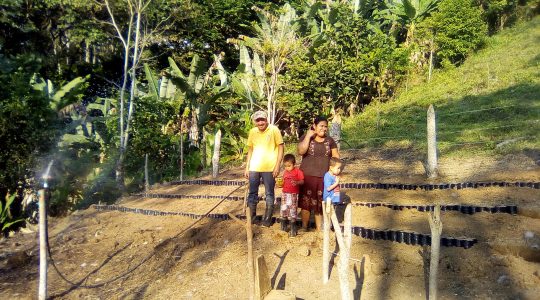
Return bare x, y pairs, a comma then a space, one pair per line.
315, 182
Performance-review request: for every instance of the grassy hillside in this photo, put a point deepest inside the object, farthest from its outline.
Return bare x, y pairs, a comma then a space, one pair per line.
492, 98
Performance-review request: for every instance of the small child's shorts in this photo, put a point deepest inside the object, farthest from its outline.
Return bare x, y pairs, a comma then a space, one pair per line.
289, 205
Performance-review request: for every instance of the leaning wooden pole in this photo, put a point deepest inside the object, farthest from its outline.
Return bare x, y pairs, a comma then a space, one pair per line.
42, 294
432, 143
347, 229
326, 242
343, 266
251, 270
436, 229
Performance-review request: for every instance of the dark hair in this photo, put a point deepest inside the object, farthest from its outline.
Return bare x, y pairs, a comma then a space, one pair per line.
320, 119
334, 161
289, 158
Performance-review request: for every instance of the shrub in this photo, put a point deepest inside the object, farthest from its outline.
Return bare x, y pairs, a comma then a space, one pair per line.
459, 29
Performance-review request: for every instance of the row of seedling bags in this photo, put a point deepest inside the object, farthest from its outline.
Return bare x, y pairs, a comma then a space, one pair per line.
409, 238
384, 186
466, 209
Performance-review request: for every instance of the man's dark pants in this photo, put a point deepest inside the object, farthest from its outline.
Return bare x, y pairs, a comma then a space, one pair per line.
269, 183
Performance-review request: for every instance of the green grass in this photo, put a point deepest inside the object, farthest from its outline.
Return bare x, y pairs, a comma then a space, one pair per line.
504, 75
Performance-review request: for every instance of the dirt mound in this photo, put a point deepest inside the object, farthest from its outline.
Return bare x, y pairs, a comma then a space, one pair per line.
115, 254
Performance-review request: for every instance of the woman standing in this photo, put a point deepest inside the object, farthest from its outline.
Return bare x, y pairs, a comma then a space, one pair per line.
316, 149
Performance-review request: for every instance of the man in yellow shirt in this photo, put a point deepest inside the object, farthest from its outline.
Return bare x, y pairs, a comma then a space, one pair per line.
265, 152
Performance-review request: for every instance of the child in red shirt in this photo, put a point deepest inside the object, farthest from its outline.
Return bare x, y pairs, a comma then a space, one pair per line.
292, 179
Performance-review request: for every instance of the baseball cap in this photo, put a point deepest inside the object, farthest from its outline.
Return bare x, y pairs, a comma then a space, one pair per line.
260, 114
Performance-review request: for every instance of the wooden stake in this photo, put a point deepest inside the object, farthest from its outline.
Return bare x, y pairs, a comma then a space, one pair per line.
146, 184
42, 295
343, 266
251, 271
249, 232
347, 228
335, 129
182, 149
326, 243
245, 198
215, 156
432, 143
262, 280
436, 229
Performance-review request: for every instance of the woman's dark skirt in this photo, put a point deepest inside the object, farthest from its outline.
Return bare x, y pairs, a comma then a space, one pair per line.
311, 194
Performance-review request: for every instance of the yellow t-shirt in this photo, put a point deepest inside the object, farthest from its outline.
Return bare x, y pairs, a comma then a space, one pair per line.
265, 148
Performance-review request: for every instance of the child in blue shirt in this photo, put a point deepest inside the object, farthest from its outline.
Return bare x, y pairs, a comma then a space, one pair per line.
331, 182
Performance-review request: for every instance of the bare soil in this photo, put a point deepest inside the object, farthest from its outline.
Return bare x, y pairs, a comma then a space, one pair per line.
120, 255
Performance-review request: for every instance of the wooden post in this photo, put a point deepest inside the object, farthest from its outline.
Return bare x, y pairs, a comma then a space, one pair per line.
436, 229
432, 143
326, 242
430, 60
182, 149
146, 173
215, 157
335, 129
42, 295
246, 193
347, 229
249, 231
251, 271
262, 280
343, 266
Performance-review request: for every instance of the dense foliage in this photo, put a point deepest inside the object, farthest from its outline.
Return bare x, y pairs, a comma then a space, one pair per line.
198, 67
459, 29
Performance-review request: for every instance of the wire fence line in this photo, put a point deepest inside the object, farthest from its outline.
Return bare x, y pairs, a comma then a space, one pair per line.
513, 139
474, 110
515, 124
440, 133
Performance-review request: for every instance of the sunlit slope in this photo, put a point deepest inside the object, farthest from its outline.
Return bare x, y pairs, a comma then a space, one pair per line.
488, 104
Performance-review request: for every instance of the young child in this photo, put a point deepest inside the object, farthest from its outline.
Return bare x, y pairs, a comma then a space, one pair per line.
292, 179
331, 183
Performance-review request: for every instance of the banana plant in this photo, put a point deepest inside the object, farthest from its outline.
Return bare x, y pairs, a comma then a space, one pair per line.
248, 81
408, 13
61, 98
6, 220
276, 40
198, 91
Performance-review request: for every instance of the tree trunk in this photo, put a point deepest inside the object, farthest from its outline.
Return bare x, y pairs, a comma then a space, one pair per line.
94, 55
120, 171
430, 61
204, 158
86, 52
194, 134
215, 157
146, 184
182, 150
